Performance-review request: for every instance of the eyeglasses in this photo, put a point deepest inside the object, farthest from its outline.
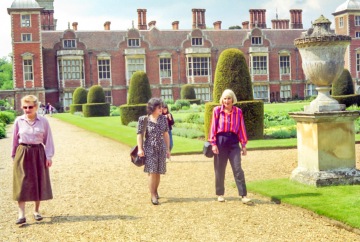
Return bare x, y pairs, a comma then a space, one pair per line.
28, 107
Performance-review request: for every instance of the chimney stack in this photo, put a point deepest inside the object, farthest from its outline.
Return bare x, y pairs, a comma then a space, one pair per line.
257, 18
142, 19
296, 19
152, 24
198, 16
280, 23
175, 25
75, 25
107, 25
245, 25
217, 25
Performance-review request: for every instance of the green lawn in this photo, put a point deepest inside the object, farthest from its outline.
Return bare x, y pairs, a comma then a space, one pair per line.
341, 203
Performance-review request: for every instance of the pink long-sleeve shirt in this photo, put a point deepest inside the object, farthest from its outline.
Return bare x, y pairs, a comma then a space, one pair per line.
228, 122
37, 133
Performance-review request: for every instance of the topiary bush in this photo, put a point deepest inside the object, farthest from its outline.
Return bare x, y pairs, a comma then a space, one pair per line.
233, 73
187, 92
138, 96
348, 100
96, 106
139, 89
79, 98
343, 85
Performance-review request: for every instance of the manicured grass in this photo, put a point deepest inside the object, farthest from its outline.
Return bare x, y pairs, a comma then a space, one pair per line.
112, 128
337, 202
285, 107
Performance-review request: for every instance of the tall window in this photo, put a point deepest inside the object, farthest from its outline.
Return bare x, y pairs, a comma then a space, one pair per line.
284, 64
285, 91
261, 92
166, 94
357, 61
202, 93
196, 41
67, 99
256, 40
357, 34
165, 67
28, 70
69, 43
259, 65
198, 66
104, 68
310, 90
357, 20
108, 96
134, 42
70, 69
341, 22
26, 37
133, 65
25, 20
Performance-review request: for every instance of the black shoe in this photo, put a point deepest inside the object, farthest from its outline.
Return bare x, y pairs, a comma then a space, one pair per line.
21, 221
38, 217
154, 201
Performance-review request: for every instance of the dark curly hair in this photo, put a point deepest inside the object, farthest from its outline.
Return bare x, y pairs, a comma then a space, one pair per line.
153, 104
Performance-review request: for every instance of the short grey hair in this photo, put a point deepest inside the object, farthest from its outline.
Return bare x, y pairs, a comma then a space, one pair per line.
228, 93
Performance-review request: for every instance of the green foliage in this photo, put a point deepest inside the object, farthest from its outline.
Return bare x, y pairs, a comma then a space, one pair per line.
130, 113
188, 133
348, 100
253, 112
96, 109
232, 73
80, 96
343, 85
7, 117
235, 27
115, 112
281, 132
2, 130
96, 95
182, 103
6, 74
139, 89
187, 92
75, 108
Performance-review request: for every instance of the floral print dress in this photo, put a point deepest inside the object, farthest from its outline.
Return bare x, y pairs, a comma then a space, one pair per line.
154, 145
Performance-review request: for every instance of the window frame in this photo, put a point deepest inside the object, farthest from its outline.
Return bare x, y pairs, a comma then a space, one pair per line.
68, 67
357, 20
285, 91
131, 71
259, 67
256, 40
101, 66
259, 93
358, 61
28, 69
25, 23
198, 65
165, 69
166, 94
69, 43
133, 42
197, 41
26, 37
284, 65
341, 22
202, 93
108, 96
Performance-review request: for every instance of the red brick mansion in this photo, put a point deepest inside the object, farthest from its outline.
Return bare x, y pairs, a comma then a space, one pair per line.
51, 63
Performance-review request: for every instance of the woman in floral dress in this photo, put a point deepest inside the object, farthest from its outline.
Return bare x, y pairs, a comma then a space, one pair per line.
156, 145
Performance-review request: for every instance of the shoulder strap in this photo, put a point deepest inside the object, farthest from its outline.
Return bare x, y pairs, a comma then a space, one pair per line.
144, 126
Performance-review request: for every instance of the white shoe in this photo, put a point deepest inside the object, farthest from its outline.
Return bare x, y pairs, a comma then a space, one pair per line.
221, 199
245, 200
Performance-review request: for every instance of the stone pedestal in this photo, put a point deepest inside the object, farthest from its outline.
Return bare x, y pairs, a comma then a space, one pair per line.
326, 148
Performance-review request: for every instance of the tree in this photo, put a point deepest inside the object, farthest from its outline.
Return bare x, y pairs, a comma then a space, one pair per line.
235, 27
6, 74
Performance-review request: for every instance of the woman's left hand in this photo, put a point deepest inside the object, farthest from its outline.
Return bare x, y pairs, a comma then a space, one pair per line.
48, 163
168, 154
244, 151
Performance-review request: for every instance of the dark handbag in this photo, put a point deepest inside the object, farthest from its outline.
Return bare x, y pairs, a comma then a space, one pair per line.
137, 160
207, 150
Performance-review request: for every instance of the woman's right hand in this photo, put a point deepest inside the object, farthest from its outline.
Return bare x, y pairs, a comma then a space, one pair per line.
141, 153
215, 149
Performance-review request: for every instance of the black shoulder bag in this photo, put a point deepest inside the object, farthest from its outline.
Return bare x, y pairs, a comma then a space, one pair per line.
139, 160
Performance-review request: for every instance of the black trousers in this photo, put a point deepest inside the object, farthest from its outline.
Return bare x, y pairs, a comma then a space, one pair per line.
229, 149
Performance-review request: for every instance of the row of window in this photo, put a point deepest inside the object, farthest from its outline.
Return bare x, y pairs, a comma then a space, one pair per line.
357, 21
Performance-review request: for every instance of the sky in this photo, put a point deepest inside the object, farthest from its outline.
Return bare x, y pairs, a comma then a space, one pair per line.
92, 14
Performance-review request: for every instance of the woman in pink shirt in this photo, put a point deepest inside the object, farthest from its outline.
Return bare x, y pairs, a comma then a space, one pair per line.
32, 151
227, 130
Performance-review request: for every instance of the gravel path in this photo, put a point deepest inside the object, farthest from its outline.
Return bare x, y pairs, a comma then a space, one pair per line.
100, 196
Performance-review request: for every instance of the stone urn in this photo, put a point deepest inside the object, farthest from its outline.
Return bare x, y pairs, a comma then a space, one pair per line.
322, 54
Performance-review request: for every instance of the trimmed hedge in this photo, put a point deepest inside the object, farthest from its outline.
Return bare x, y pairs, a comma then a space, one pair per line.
253, 112
343, 85
232, 73
80, 96
139, 89
130, 113
96, 94
348, 100
7, 117
187, 92
75, 108
96, 109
